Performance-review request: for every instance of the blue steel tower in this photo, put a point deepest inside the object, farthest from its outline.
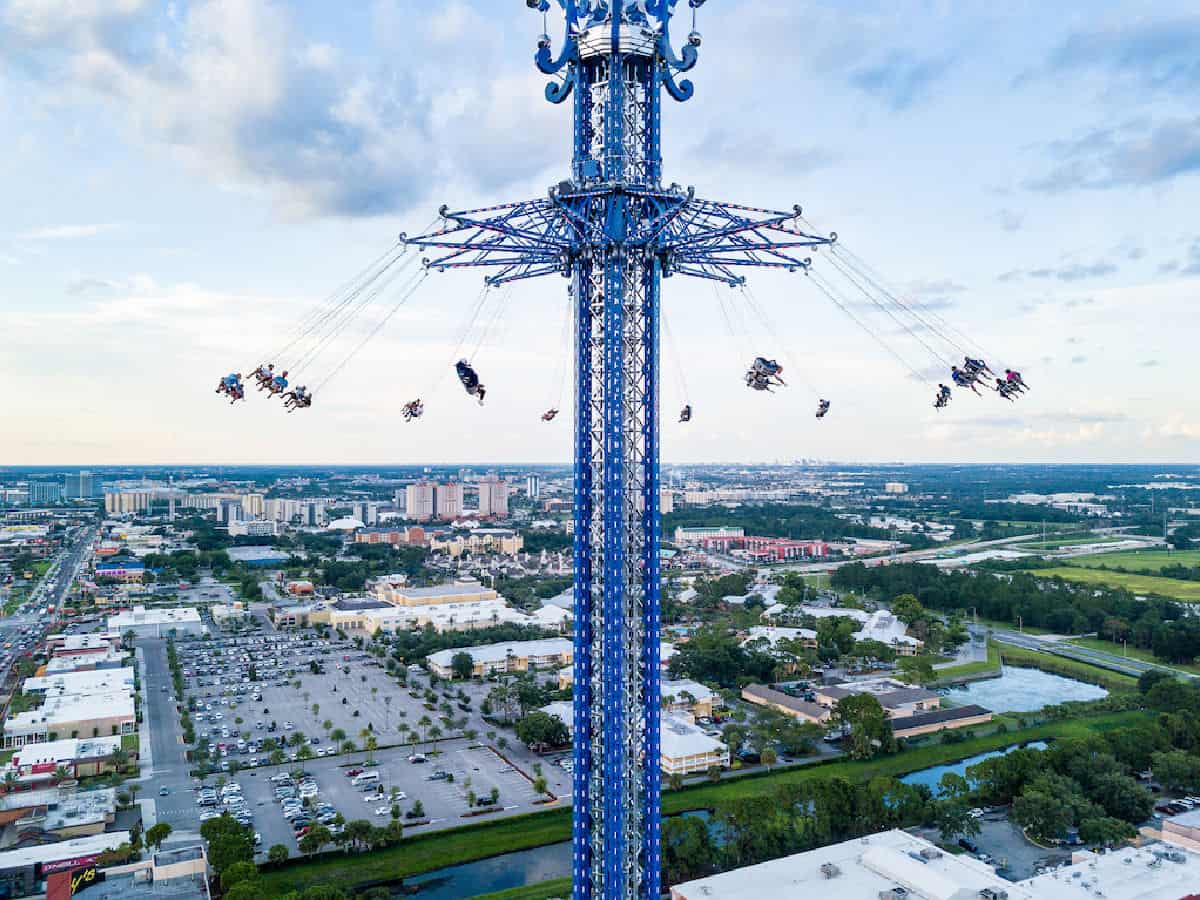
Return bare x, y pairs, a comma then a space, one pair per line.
615, 231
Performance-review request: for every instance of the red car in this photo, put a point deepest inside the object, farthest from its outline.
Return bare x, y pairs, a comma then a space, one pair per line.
350, 773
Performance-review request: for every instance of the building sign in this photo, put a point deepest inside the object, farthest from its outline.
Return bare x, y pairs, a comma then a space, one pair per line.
62, 865
82, 879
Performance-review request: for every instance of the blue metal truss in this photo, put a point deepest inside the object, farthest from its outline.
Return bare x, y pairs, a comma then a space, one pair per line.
687, 235
615, 232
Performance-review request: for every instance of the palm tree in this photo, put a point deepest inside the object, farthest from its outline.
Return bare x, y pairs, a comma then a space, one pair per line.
10, 781
387, 709
434, 734
371, 744
423, 723
61, 773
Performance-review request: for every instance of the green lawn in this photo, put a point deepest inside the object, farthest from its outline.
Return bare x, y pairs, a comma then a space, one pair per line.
544, 890
41, 567
472, 842
1071, 668
1053, 543
1140, 560
1132, 653
1009, 626
130, 742
967, 670
1188, 591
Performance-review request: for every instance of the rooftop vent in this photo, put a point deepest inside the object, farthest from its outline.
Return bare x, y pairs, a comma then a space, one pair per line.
829, 870
931, 853
896, 893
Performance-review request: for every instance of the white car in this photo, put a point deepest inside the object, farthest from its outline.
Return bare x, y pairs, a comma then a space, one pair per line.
382, 810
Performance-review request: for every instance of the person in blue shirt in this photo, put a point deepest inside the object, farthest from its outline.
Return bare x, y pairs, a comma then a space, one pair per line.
943, 397
279, 383
231, 385
964, 379
822, 409
685, 414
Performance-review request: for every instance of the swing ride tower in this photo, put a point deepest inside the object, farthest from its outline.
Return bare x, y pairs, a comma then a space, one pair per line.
615, 231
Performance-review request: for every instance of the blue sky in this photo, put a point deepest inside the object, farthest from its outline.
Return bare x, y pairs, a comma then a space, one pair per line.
183, 180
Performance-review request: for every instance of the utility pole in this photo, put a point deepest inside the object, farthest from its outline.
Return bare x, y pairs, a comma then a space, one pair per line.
615, 231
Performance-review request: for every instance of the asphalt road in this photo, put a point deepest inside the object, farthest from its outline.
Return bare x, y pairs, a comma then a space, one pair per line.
1112, 661
170, 766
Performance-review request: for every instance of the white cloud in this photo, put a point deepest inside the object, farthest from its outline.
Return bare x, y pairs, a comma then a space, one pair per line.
66, 232
1178, 427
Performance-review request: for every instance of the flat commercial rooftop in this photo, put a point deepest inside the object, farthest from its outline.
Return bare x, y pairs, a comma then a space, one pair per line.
864, 868
857, 870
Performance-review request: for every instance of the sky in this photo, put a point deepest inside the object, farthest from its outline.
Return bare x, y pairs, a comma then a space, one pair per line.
183, 182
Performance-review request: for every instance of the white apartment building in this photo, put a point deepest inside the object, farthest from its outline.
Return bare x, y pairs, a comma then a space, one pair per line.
448, 501
418, 501
493, 497
508, 656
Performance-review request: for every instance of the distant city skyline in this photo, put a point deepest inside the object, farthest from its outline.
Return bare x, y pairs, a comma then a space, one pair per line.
186, 180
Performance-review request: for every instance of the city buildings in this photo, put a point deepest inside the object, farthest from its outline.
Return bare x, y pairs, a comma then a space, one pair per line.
81, 757
419, 501
157, 622
126, 502
45, 492
493, 497
479, 540
80, 486
448, 501
687, 749
253, 528
392, 589
510, 656
413, 535
72, 716
895, 487
688, 536
126, 570
533, 486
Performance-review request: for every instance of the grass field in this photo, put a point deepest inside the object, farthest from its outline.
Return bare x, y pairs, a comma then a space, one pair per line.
1132, 653
1188, 591
1071, 668
1140, 560
472, 842
968, 670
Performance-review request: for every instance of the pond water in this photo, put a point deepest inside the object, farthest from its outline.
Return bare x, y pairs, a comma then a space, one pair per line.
931, 776
1023, 690
497, 874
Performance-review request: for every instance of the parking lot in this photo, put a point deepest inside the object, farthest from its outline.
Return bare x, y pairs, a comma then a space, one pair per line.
251, 689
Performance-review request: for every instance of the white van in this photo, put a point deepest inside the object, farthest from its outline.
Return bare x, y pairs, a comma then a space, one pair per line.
366, 778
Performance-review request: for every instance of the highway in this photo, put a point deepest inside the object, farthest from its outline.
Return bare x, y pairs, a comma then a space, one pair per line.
1113, 661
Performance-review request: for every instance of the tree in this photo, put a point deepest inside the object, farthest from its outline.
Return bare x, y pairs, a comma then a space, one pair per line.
237, 873
869, 729
917, 669
675, 781
908, 609
278, 854
228, 842
769, 757
539, 784
688, 850
157, 833
1177, 770
1045, 817
317, 838
953, 817
1105, 831
462, 665
540, 730
1122, 797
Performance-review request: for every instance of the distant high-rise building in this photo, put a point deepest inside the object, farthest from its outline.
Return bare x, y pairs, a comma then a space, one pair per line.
493, 497
44, 492
230, 511
448, 500
895, 487
79, 486
367, 513
419, 504
666, 501
123, 502
533, 486
313, 513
